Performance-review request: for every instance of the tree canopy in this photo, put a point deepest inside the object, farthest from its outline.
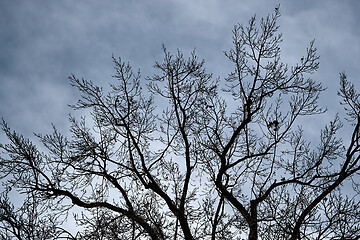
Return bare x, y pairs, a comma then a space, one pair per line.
184, 155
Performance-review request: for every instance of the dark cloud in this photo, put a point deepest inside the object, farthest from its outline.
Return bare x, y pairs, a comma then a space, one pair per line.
42, 42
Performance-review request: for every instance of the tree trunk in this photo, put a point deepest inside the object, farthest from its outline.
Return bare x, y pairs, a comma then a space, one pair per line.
253, 234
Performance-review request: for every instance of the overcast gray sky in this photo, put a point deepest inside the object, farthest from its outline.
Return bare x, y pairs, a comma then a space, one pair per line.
42, 42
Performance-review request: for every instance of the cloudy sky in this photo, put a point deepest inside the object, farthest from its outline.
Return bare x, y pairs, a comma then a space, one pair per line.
42, 42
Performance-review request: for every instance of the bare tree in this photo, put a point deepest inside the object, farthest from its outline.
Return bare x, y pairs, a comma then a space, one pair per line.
180, 162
